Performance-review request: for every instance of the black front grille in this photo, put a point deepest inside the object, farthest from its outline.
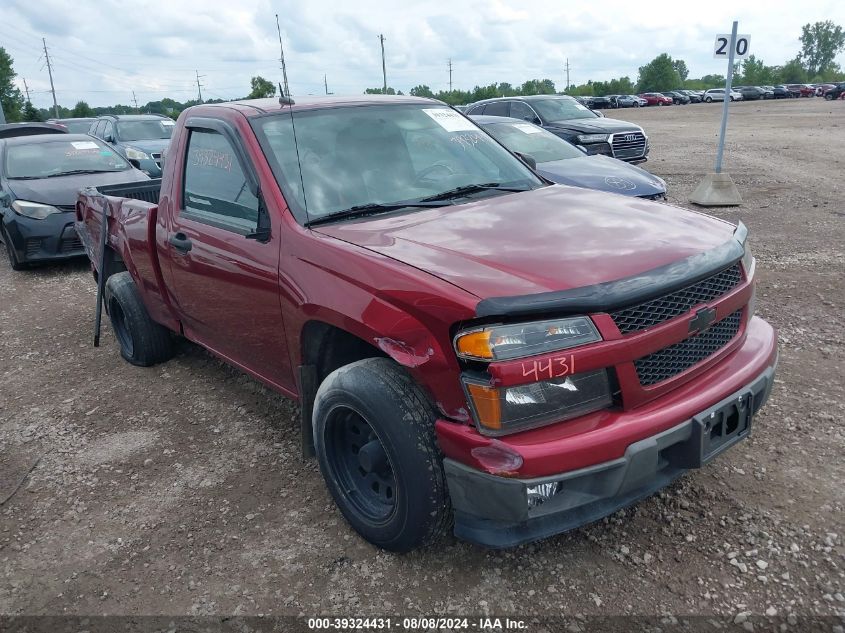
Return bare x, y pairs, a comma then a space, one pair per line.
628, 145
669, 306
672, 360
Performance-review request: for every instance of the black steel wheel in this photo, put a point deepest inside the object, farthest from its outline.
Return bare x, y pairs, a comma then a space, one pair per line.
358, 460
142, 341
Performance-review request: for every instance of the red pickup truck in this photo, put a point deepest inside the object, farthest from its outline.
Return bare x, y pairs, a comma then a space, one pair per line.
470, 344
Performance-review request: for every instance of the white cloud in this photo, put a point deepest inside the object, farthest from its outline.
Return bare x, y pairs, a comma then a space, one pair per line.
105, 49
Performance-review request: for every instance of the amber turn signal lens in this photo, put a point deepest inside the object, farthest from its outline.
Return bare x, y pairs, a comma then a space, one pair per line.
488, 407
475, 345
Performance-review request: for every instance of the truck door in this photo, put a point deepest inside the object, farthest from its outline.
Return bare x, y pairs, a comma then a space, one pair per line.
223, 253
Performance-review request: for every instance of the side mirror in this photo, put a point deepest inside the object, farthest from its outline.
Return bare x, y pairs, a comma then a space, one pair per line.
108, 138
5, 199
528, 159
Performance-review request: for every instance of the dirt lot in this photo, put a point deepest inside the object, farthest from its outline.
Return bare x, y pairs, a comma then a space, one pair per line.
179, 489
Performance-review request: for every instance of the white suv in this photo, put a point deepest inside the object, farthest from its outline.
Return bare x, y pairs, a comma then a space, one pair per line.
718, 94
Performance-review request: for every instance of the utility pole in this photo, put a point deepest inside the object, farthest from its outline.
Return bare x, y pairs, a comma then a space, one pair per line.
135, 99
282, 58
50, 72
567, 76
199, 85
26, 90
450, 74
383, 67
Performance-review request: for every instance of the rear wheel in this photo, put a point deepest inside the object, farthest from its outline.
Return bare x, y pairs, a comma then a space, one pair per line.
143, 342
828, 97
375, 442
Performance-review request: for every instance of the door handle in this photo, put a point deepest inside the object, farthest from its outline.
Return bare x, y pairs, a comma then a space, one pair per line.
180, 242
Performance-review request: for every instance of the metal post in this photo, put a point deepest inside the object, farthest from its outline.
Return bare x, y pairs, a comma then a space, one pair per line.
50, 72
2, 114
727, 101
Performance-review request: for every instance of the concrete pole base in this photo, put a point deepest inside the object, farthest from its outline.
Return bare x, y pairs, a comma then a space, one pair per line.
716, 190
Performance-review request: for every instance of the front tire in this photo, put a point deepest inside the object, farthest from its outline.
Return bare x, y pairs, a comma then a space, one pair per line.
143, 342
708, 99
10, 253
375, 443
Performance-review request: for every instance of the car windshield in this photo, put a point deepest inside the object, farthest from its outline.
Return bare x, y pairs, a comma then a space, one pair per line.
562, 109
61, 156
350, 157
144, 130
530, 139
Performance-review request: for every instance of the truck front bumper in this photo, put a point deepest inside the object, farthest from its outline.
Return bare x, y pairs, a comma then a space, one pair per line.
499, 512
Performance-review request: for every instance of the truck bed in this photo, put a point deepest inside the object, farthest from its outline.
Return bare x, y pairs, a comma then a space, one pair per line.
147, 191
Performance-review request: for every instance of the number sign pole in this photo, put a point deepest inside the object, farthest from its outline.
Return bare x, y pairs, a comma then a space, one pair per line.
721, 150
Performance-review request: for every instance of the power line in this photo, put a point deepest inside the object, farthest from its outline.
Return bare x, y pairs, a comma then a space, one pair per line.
50, 72
383, 67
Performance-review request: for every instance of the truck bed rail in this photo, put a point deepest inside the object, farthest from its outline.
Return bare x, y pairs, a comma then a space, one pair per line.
147, 191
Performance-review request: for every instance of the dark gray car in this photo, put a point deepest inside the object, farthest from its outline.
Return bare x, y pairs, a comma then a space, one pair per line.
40, 177
570, 120
139, 138
563, 163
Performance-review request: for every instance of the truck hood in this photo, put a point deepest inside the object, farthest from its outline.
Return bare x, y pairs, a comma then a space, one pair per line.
598, 125
63, 191
552, 238
603, 173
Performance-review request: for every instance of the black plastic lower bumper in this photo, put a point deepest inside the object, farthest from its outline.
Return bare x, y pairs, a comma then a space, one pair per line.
499, 512
50, 239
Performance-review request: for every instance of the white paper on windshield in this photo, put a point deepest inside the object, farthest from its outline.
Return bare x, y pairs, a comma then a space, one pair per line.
84, 145
449, 120
167, 123
527, 128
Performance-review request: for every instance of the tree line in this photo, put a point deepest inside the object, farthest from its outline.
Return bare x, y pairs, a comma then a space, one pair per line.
821, 42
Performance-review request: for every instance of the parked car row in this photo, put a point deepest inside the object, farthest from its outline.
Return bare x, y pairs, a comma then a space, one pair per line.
738, 93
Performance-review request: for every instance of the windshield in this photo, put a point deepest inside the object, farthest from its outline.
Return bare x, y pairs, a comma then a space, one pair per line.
562, 109
144, 130
543, 146
348, 157
61, 156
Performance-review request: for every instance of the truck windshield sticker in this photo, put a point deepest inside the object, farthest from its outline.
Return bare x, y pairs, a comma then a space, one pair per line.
449, 120
527, 128
84, 145
211, 158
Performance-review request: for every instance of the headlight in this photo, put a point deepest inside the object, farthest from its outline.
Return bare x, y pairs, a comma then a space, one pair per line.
34, 210
592, 138
504, 342
503, 410
135, 154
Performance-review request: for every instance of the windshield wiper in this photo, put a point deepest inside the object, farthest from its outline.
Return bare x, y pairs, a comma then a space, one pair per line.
371, 208
81, 171
466, 190
25, 177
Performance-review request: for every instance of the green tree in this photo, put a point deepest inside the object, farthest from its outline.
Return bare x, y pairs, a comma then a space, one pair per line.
30, 113
658, 75
756, 73
820, 43
378, 91
681, 66
538, 87
422, 91
10, 95
82, 110
793, 72
261, 88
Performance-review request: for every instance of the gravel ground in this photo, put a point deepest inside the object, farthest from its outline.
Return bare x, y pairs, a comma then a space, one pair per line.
179, 489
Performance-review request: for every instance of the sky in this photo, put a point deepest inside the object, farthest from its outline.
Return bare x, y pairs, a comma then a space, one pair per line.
103, 50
